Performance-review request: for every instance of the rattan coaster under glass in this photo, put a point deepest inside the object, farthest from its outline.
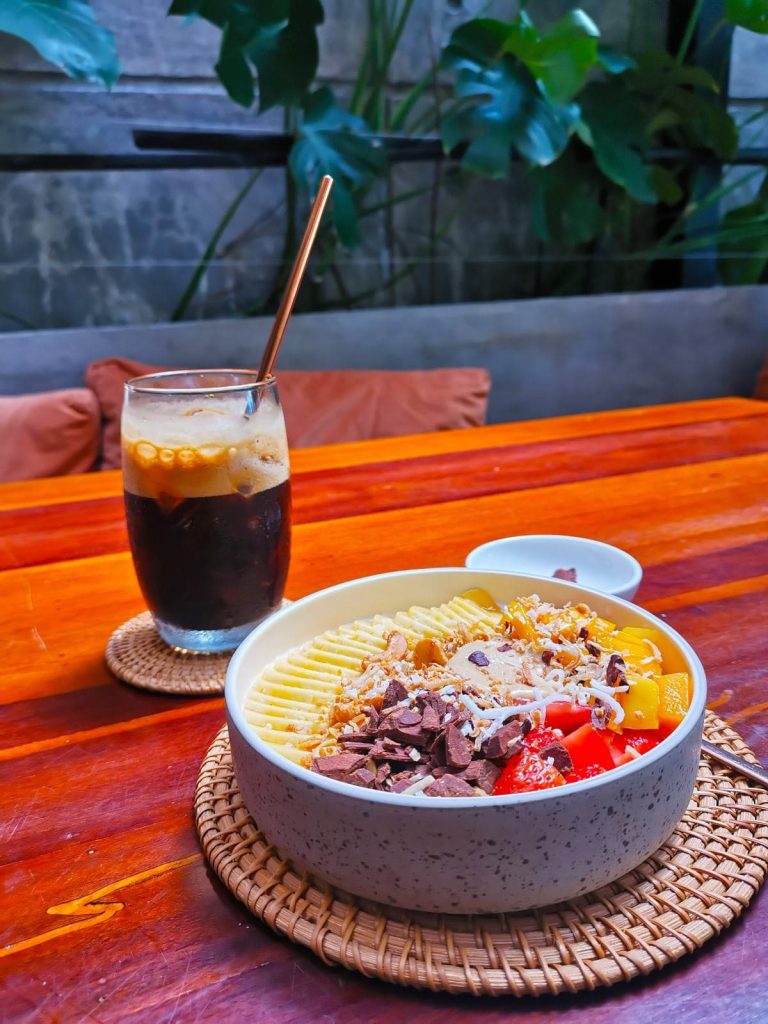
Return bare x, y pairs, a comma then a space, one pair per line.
688, 891
137, 655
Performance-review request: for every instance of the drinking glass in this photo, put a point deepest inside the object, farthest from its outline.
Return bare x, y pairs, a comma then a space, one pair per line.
207, 501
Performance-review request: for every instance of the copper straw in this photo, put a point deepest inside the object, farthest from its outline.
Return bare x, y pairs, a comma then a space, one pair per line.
294, 281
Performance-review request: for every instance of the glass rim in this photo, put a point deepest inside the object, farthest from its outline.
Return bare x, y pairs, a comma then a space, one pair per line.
137, 385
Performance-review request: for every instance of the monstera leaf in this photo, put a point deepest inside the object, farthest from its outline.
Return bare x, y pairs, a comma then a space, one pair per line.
616, 120
501, 107
695, 118
751, 14
276, 37
567, 201
560, 58
333, 141
66, 33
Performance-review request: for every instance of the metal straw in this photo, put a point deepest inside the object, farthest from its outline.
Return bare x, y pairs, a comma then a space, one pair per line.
294, 281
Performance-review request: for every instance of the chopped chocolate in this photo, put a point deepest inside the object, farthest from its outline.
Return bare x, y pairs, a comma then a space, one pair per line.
355, 737
504, 648
559, 756
382, 774
361, 777
593, 649
449, 785
404, 726
458, 748
547, 656
412, 734
373, 720
436, 749
431, 720
339, 766
614, 673
564, 574
583, 633
482, 773
431, 700
478, 658
388, 750
506, 741
526, 724
394, 693
358, 747
405, 779
458, 715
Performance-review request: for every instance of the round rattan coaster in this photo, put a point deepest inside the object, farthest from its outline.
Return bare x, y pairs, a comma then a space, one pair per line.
688, 891
137, 655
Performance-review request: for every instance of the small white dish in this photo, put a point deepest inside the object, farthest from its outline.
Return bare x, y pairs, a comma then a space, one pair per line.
598, 566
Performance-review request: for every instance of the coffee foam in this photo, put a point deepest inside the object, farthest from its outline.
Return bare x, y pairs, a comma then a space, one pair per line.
193, 448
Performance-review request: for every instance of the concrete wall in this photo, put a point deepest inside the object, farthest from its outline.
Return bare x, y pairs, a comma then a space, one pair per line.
118, 247
543, 354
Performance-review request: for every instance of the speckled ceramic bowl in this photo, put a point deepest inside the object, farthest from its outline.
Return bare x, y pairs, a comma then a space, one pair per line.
467, 855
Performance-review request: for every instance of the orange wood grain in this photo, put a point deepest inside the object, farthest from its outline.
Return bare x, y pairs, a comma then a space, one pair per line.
85, 528
50, 490
109, 912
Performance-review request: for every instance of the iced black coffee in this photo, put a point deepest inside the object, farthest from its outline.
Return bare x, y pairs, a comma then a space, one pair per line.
207, 501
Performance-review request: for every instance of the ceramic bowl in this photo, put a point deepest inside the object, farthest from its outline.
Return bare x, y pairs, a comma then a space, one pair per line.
466, 855
599, 566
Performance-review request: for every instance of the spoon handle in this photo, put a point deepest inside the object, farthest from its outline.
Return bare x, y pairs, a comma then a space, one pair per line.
737, 763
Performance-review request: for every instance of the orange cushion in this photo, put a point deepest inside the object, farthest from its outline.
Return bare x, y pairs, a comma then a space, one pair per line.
48, 434
330, 406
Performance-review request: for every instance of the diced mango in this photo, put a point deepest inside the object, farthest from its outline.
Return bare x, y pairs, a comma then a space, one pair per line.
673, 698
642, 633
521, 625
641, 704
481, 597
638, 654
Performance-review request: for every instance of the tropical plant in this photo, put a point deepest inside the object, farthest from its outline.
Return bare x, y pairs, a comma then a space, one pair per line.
604, 136
65, 33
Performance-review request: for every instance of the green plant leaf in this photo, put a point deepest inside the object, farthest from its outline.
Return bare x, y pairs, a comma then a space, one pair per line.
743, 251
751, 14
686, 108
333, 141
567, 207
66, 33
287, 60
502, 108
665, 185
278, 37
613, 61
562, 57
705, 123
657, 72
615, 118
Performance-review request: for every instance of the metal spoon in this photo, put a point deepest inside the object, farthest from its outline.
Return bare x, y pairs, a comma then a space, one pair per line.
738, 764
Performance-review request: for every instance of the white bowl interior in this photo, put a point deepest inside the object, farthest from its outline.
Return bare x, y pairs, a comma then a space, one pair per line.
363, 598
599, 566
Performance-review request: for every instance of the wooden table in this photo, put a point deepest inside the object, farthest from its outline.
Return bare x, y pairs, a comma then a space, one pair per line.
108, 909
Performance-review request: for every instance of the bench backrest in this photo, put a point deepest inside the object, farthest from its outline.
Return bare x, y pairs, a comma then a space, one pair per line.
546, 356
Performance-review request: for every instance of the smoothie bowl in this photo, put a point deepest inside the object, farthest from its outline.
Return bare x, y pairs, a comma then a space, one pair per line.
457, 741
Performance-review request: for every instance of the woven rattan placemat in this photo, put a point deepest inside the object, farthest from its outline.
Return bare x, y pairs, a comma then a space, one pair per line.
688, 891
